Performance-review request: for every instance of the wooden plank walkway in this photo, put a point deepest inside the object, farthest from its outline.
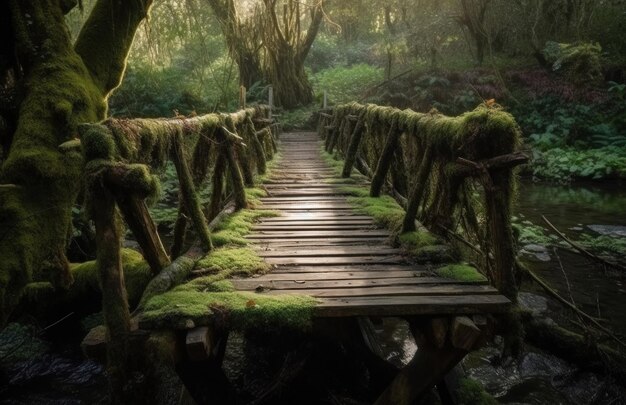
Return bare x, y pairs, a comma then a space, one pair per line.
321, 247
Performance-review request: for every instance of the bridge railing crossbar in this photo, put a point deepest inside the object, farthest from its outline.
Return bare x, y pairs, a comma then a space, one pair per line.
455, 175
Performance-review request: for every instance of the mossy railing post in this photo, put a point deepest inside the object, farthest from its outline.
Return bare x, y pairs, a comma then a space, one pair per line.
353, 148
417, 194
217, 182
259, 151
189, 195
498, 208
239, 190
138, 219
114, 297
384, 162
199, 168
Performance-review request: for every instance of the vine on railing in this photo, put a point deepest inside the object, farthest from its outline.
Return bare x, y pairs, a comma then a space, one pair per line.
454, 174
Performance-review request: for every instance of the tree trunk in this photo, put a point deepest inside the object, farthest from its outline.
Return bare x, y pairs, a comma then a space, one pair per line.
62, 87
286, 73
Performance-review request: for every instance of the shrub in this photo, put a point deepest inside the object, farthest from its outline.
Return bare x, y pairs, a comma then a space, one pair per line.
345, 84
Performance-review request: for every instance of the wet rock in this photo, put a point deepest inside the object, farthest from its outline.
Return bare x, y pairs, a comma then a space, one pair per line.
536, 303
536, 252
52, 379
19, 342
541, 365
612, 230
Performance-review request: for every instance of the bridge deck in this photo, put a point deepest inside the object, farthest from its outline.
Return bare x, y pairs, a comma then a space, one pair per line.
321, 247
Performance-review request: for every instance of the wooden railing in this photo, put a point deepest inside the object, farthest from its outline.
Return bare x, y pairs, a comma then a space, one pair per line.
455, 175
122, 156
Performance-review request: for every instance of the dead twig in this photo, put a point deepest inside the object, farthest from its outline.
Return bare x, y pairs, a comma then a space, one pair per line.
582, 250
573, 307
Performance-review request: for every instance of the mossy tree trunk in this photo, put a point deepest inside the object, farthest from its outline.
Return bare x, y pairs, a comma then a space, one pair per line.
60, 86
287, 48
241, 39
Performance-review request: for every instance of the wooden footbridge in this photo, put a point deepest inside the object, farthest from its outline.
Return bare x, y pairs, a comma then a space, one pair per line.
458, 184
319, 246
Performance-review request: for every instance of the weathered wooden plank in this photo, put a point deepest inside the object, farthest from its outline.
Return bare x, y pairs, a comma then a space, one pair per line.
296, 285
315, 197
347, 275
391, 291
311, 216
352, 267
411, 305
305, 228
306, 261
317, 234
280, 221
275, 243
329, 252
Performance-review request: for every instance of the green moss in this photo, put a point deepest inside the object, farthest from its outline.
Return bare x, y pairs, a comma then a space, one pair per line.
385, 210
243, 310
137, 275
413, 241
98, 143
332, 161
58, 95
234, 228
471, 392
460, 272
229, 261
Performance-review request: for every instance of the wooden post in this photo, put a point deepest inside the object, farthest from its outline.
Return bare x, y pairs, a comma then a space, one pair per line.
114, 297
497, 203
431, 363
217, 181
235, 176
325, 103
353, 148
140, 222
418, 191
189, 195
385, 159
199, 168
242, 97
270, 101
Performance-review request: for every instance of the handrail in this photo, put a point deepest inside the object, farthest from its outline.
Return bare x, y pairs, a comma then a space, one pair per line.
456, 172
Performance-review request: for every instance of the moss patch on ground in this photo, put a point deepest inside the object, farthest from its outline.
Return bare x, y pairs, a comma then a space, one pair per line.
228, 261
461, 272
334, 162
418, 239
385, 210
240, 310
233, 229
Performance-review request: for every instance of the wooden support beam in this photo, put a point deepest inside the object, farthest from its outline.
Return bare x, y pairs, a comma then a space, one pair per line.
384, 162
236, 178
418, 191
430, 363
188, 194
111, 279
217, 181
137, 216
467, 168
353, 148
200, 343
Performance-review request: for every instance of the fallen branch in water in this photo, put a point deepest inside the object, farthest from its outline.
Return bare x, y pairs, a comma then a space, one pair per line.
573, 307
582, 250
